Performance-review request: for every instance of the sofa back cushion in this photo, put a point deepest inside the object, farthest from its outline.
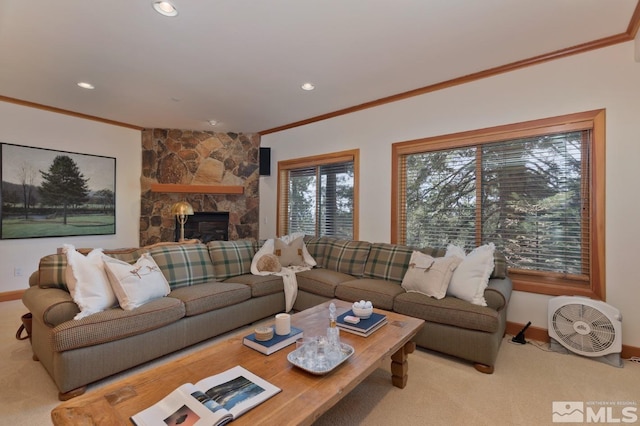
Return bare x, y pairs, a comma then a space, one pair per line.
316, 247
347, 256
184, 264
434, 252
387, 262
499, 265
51, 269
231, 258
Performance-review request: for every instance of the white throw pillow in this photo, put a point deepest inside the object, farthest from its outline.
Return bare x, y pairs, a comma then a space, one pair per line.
137, 284
471, 277
428, 275
88, 282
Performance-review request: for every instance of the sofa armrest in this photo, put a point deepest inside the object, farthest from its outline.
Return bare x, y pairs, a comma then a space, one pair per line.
498, 293
52, 306
34, 279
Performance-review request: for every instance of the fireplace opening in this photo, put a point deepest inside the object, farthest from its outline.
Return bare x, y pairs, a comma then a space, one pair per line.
205, 226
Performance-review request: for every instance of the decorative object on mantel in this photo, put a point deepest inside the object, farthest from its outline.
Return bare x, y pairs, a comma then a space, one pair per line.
181, 210
197, 189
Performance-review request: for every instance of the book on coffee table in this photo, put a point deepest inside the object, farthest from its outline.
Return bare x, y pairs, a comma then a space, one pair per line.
214, 400
274, 344
365, 327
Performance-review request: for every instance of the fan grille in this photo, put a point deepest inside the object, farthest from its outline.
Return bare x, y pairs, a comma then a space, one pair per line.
584, 328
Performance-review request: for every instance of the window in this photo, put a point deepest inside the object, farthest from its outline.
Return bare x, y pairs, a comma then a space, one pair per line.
534, 189
318, 195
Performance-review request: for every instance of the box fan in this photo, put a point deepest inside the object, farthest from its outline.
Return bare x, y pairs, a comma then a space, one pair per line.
586, 327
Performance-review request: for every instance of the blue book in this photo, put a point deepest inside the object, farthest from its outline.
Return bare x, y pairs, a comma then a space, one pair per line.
365, 327
274, 344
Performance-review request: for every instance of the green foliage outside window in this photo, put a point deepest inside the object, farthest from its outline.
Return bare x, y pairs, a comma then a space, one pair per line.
532, 194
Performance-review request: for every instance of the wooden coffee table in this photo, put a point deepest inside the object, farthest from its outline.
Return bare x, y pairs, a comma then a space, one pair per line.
304, 396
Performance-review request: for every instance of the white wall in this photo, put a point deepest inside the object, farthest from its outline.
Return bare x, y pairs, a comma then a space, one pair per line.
607, 78
38, 128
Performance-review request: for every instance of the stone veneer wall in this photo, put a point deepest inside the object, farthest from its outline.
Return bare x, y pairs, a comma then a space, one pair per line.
199, 158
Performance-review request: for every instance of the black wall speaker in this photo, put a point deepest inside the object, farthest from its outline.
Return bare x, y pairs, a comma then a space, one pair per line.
265, 161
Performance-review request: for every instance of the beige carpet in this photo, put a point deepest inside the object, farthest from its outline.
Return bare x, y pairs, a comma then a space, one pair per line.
440, 391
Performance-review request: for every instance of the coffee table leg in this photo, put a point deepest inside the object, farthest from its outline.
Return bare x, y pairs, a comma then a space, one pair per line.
400, 365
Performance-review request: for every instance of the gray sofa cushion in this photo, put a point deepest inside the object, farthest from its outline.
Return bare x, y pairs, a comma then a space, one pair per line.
260, 285
115, 324
450, 311
322, 282
207, 297
380, 292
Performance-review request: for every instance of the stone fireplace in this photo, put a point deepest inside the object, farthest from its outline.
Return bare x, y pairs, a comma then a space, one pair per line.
202, 166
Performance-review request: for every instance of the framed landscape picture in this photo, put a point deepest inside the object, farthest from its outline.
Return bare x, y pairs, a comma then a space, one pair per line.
49, 193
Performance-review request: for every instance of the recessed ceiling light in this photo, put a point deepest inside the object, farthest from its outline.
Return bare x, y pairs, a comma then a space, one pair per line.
165, 8
213, 122
308, 86
86, 85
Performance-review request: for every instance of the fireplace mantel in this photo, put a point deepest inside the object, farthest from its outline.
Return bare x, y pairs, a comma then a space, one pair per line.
197, 189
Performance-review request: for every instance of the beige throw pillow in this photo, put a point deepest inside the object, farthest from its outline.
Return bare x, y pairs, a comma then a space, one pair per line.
135, 285
289, 254
428, 275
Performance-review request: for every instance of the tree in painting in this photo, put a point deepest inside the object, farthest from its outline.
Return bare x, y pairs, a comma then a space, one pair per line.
27, 176
104, 197
64, 184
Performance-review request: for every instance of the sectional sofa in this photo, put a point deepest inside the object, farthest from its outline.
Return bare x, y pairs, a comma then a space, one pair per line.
213, 291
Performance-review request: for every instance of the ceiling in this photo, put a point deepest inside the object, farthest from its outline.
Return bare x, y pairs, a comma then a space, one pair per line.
242, 62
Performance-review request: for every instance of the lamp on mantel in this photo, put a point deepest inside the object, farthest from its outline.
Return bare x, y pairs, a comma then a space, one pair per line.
181, 210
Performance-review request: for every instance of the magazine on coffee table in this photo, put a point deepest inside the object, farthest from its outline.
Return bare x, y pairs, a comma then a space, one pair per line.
214, 400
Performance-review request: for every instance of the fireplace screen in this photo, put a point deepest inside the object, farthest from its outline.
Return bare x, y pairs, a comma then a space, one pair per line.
205, 226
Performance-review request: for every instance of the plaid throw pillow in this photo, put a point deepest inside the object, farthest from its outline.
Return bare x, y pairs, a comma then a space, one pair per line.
317, 247
499, 265
387, 262
231, 258
434, 252
126, 255
184, 264
51, 271
346, 256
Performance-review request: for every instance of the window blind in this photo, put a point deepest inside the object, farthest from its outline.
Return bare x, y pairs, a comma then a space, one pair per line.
317, 196
529, 196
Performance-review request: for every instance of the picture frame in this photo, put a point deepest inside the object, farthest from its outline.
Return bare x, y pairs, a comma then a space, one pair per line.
52, 193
